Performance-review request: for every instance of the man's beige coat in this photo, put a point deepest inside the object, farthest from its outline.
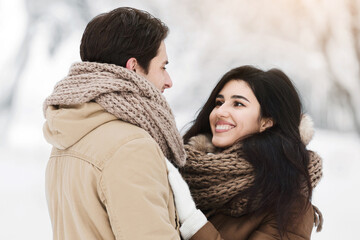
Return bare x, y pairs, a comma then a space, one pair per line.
105, 179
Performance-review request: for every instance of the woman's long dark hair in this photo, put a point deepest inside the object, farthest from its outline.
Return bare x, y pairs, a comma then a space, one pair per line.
278, 155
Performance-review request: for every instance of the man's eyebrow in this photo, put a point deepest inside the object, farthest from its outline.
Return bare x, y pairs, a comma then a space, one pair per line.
241, 97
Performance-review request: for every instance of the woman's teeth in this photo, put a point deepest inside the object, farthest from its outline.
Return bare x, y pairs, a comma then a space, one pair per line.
224, 127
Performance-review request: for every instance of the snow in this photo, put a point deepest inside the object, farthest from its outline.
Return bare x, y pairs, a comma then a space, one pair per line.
338, 195
22, 203
24, 212
23, 157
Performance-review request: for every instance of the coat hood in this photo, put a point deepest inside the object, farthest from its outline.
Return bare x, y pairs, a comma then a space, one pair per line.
66, 125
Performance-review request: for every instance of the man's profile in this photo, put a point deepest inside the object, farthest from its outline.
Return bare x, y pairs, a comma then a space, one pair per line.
111, 130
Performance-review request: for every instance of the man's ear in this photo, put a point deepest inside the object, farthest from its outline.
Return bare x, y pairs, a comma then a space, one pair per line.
131, 64
266, 123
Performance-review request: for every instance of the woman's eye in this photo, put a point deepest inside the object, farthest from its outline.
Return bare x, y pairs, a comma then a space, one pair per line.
218, 103
238, 104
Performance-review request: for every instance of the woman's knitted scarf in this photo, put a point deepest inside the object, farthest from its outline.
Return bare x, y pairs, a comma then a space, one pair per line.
216, 178
126, 95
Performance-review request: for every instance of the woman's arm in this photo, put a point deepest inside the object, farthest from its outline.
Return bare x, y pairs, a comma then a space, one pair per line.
299, 229
194, 224
207, 232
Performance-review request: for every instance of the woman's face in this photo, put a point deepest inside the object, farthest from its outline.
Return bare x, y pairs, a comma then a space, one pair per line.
236, 114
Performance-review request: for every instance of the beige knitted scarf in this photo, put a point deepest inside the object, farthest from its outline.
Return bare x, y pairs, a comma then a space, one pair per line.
126, 95
216, 178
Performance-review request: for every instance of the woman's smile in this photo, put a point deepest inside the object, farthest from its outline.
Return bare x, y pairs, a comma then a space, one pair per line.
223, 126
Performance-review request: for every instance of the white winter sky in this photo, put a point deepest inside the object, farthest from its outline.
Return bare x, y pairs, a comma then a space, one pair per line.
23, 158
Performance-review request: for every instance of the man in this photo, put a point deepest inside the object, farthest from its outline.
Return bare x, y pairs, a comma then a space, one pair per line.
111, 130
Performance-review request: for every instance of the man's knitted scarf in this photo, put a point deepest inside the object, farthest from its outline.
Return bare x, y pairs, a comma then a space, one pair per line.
216, 178
126, 95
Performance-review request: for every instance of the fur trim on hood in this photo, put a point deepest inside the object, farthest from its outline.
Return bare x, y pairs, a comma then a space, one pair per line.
306, 129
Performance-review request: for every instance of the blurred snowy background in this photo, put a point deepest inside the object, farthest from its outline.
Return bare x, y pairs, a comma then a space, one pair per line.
316, 42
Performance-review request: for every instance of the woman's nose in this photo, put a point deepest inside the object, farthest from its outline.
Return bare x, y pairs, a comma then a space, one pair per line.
222, 111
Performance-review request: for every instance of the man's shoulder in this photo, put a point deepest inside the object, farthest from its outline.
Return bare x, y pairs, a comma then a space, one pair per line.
133, 148
105, 141
121, 131
117, 133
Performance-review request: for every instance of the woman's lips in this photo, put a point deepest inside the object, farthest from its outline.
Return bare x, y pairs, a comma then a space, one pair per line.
223, 126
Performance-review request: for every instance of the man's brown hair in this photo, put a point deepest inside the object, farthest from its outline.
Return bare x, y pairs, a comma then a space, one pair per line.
121, 34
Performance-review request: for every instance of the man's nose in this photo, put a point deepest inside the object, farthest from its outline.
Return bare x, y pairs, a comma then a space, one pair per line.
168, 81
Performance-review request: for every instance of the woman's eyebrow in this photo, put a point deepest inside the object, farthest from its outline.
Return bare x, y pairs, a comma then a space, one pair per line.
240, 97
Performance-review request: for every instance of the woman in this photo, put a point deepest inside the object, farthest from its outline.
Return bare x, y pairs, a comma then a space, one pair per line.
248, 168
